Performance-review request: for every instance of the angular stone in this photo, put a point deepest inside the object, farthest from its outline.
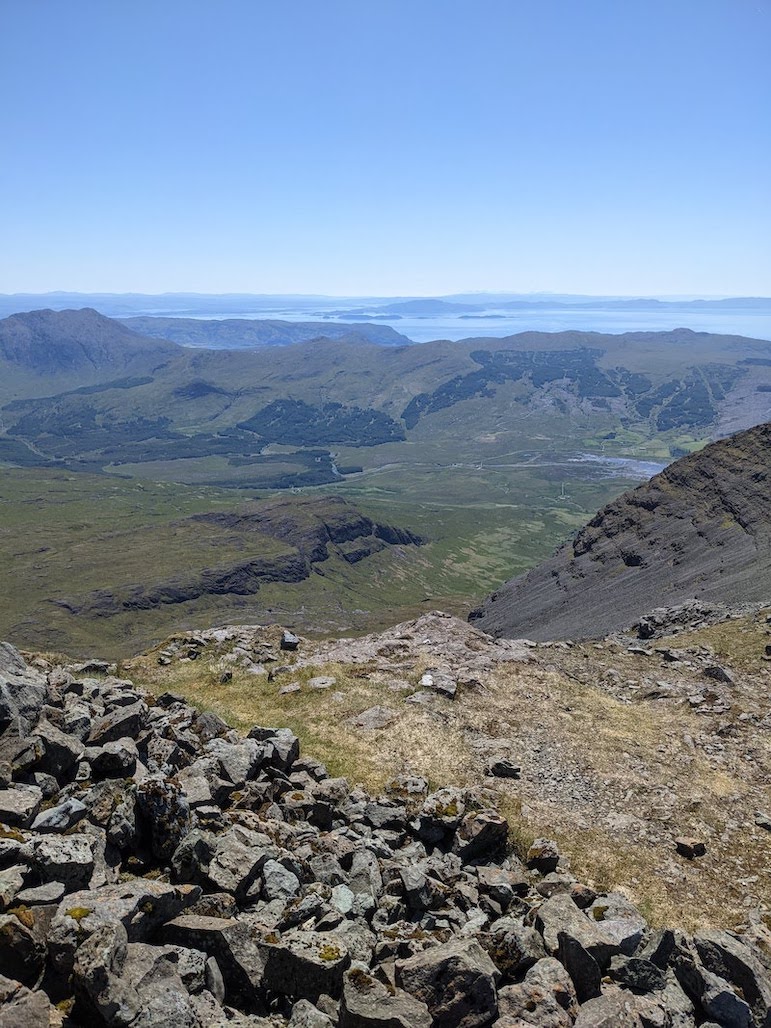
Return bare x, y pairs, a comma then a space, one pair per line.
620, 920
439, 682
61, 817
305, 1015
289, 641
543, 855
96, 976
238, 762
11, 883
61, 752
725, 956
581, 966
306, 965
503, 768
238, 859
637, 974
457, 982
19, 804
22, 691
21, 1008
278, 883
22, 955
440, 814
559, 914
116, 759
165, 813
512, 946
374, 718
41, 895
545, 997
68, 859
141, 906
480, 835
367, 1003
690, 848
123, 722
238, 947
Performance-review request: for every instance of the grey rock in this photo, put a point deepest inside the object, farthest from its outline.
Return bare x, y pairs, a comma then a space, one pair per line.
116, 759
545, 998
637, 974
305, 965
123, 722
543, 855
457, 982
237, 861
22, 691
278, 882
580, 965
11, 883
61, 817
374, 718
305, 1015
165, 813
439, 682
512, 946
559, 915
480, 834
690, 848
503, 768
22, 1008
289, 641
19, 804
440, 815
61, 752
367, 1003
40, 895
620, 920
96, 976
723, 955
141, 906
238, 949
68, 859
22, 955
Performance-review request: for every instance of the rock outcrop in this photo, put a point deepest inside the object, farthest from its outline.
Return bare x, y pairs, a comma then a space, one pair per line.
700, 530
158, 868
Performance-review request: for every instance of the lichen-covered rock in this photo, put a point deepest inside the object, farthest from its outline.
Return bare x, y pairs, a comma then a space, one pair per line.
457, 982
22, 955
367, 1003
165, 813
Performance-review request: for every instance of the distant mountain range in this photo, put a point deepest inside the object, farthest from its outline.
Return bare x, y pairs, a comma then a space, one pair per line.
272, 306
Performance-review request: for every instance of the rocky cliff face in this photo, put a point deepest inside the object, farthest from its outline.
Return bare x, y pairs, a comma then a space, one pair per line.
158, 868
699, 530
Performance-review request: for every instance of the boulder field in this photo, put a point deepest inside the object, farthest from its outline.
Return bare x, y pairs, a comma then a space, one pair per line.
159, 868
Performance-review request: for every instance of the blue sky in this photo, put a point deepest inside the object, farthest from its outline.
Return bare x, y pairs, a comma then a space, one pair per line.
386, 146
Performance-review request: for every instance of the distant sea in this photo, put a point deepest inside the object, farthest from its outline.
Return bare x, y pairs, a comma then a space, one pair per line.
425, 328
754, 322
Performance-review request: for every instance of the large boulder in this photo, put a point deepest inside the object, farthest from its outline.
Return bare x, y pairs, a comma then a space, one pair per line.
367, 1003
457, 982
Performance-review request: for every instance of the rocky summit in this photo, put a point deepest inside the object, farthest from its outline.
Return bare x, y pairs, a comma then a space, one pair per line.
161, 868
699, 530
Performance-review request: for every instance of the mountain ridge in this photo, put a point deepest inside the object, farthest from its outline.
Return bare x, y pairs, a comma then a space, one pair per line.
698, 530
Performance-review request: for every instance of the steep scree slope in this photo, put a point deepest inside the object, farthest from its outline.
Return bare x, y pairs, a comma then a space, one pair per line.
700, 529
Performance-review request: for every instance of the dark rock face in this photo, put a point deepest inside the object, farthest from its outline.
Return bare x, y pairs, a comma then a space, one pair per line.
701, 529
312, 527
210, 879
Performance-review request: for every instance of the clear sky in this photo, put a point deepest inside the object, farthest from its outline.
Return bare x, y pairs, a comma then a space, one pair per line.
386, 146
